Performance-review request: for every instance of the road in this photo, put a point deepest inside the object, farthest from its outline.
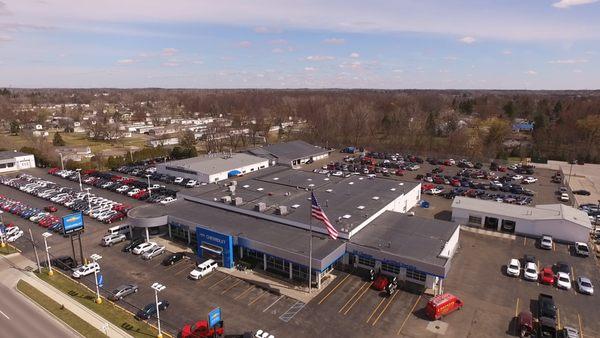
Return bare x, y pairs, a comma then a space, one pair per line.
19, 317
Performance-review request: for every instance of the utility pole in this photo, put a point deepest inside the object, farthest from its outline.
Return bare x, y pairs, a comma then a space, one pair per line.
37, 258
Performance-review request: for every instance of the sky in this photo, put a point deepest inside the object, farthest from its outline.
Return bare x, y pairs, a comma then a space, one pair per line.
388, 44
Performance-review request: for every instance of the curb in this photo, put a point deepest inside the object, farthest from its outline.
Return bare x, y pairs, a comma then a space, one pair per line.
48, 312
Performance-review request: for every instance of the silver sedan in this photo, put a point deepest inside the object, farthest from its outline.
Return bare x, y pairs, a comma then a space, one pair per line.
585, 286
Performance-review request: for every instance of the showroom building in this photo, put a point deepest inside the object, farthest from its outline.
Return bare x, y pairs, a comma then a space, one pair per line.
291, 153
15, 160
213, 167
562, 222
265, 218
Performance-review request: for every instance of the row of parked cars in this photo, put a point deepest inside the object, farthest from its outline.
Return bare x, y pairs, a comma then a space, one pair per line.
42, 217
100, 208
143, 170
131, 187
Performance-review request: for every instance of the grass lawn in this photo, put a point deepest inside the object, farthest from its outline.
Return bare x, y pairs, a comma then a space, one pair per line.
107, 309
63, 314
8, 249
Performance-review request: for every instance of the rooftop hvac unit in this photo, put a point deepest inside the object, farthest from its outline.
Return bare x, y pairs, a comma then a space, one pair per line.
237, 201
261, 207
226, 199
282, 210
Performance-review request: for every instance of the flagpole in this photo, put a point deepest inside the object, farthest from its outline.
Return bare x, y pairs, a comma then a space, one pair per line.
310, 247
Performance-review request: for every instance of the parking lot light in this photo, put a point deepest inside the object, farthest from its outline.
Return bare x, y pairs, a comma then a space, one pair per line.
95, 258
79, 176
88, 198
158, 287
2, 242
149, 189
62, 164
46, 235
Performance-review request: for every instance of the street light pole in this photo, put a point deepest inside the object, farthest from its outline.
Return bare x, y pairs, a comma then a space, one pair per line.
88, 198
2, 242
149, 189
158, 288
79, 176
46, 235
62, 165
95, 258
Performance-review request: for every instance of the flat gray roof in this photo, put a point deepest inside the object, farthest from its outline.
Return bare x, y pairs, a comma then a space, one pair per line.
347, 202
291, 150
5, 155
421, 239
216, 163
538, 212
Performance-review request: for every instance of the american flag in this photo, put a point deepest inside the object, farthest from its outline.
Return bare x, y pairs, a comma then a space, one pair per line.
319, 214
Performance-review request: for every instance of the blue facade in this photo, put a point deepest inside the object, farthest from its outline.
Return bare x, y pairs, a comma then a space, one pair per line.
72, 222
225, 242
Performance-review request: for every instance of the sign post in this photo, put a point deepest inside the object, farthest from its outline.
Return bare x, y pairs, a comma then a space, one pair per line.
214, 317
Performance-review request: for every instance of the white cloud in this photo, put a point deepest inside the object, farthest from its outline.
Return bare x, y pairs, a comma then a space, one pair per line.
277, 50
450, 58
531, 72
245, 44
278, 42
568, 61
507, 52
5, 38
267, 30
310, 69
398, 71
351, 65
569, 3
577, 71
169, 52
354, 55
467, 39
171, 63
198, 62
320, 58
125, 61
334, 41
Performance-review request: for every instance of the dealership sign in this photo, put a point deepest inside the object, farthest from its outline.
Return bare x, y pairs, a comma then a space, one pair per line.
208, 238
72, 223
214, 317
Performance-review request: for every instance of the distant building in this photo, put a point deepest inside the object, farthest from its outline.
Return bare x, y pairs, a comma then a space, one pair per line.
172, 141
291, 153
213, 168
525, 126
15, 160
75, 153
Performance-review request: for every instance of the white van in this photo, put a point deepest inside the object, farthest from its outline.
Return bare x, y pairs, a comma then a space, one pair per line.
203, 269
119, 229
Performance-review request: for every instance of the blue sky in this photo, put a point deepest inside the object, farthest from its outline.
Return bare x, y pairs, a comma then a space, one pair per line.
526, 44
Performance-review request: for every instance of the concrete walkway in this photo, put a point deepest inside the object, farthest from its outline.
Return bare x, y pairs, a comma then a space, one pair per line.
16, 266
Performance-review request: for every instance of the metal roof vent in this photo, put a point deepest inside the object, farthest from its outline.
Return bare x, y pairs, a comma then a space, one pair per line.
329, 190
275, 178
237, 201
361, 178
326, 179
246, 186
282, 210
260, 189
393, 189
261, 207
226, 199
360, 207
346, 216
351, 183
375, 197
295, 206
311, 185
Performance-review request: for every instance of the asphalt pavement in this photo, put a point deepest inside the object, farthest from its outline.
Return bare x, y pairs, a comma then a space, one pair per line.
19, 317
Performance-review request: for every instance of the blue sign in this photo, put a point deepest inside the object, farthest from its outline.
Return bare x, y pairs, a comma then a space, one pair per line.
72, 222
214, 317
215, 239
100, 280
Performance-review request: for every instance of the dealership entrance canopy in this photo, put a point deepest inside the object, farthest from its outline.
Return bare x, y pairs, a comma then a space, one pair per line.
265, 217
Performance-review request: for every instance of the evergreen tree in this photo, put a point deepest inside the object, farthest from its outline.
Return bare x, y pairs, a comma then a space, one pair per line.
58, 141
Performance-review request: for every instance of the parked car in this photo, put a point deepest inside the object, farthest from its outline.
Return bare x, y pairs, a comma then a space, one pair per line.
203, 269
570, 332
65, 263
584, 285
153, 252
173, 258
546, 242
150, 310
143, 248
581, 192
86, 270
132, 245
50, 208
441, 305
547, 276
563, 281
564, 197
530, 272
123, 291
513, 268
581, 249
111, 239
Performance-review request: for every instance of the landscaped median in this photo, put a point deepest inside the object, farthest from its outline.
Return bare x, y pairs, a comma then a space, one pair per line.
8, 249
107, 309
58, 310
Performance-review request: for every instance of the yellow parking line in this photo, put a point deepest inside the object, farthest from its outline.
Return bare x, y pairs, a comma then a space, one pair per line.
517, 307
580, 326
356, 299
232, 286
219, 282
257, 298
408, 315
572, 272
182, 270
375, 309
174, 265
558, 317
350, 299
385, 308
245, 292
334, 288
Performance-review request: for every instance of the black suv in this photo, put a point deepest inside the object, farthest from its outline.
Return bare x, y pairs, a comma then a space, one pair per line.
173, 258
150, 309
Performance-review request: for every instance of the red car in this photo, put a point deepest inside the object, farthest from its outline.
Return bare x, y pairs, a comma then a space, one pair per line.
547, 276
380, 282
52, 171
455, 182
399, 172
115, 218
50, 208
201, 330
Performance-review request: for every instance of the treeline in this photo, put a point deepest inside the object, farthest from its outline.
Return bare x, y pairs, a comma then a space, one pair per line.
428, 122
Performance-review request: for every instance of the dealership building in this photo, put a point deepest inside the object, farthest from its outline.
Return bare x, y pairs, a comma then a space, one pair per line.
562, 222
15, 160
265, 218
213, 167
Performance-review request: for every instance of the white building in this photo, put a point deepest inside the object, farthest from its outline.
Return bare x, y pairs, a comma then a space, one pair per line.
562, 222
213, 168
172, 141
15, 160
291, 153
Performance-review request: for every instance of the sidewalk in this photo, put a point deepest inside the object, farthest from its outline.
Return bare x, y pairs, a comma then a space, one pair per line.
16, 267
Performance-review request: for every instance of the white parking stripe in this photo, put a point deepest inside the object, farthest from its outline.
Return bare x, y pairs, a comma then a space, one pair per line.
4, 314
268, 307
